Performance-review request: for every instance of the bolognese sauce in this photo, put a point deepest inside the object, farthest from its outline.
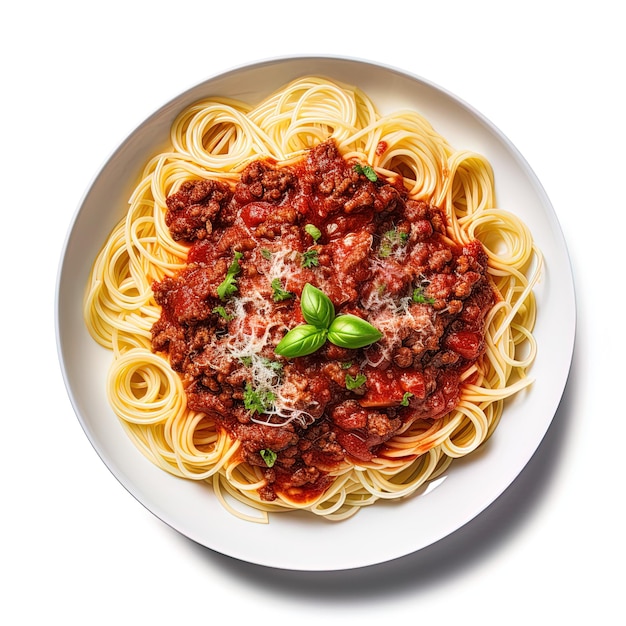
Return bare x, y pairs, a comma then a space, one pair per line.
376, 254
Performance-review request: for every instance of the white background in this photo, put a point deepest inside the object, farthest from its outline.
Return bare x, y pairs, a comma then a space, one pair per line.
76, 79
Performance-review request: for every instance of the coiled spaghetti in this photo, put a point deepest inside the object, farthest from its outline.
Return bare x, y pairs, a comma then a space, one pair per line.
217, 138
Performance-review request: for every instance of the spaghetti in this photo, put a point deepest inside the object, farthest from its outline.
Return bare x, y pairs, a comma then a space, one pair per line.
218, 140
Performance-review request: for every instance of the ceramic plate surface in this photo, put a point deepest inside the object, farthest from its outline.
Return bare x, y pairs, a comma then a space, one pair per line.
303, 541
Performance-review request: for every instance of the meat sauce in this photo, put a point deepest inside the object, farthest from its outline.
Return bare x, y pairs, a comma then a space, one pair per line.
377, 254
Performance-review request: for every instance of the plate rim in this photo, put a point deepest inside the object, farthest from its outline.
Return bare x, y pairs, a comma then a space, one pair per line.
257, 66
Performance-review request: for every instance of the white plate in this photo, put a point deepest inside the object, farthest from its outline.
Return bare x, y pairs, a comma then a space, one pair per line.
386, 530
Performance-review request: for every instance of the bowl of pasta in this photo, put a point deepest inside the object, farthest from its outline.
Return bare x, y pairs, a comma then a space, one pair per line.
315, 297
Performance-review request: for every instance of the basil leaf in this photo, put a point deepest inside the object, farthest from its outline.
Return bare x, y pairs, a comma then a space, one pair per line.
350, 331
317, 307
301, 340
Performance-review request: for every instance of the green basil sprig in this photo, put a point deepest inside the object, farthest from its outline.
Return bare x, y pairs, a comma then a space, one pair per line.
301, 340
346, 330
317, 307
350, 331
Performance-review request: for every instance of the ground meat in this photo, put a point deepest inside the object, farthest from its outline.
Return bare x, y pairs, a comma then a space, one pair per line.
376, 254
348, 266
191, 209
257, 437
343, 189
380, 426
403, 357
262, 181
201, 398
349, 415
187, 296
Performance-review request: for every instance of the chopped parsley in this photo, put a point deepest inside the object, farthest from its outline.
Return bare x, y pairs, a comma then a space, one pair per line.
391, 240
229, 285
221, 311
367, 171
258, 401
310, 258
421, 298
280, 294
276, 366
269, 456
354, 382
266, 254
405, 398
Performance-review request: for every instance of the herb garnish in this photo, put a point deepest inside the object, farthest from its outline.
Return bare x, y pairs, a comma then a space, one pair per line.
405, 398
314, 231
390, 240
301, 340
317, 307
354, 382
345, 330
221, 311
257, 400
229, 285
279, 293
350, 331
310, 258
276, 366
269, 456
367, 171
266, 254
421, 298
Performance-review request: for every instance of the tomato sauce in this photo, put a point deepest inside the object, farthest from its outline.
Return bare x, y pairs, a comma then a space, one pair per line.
377, 254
